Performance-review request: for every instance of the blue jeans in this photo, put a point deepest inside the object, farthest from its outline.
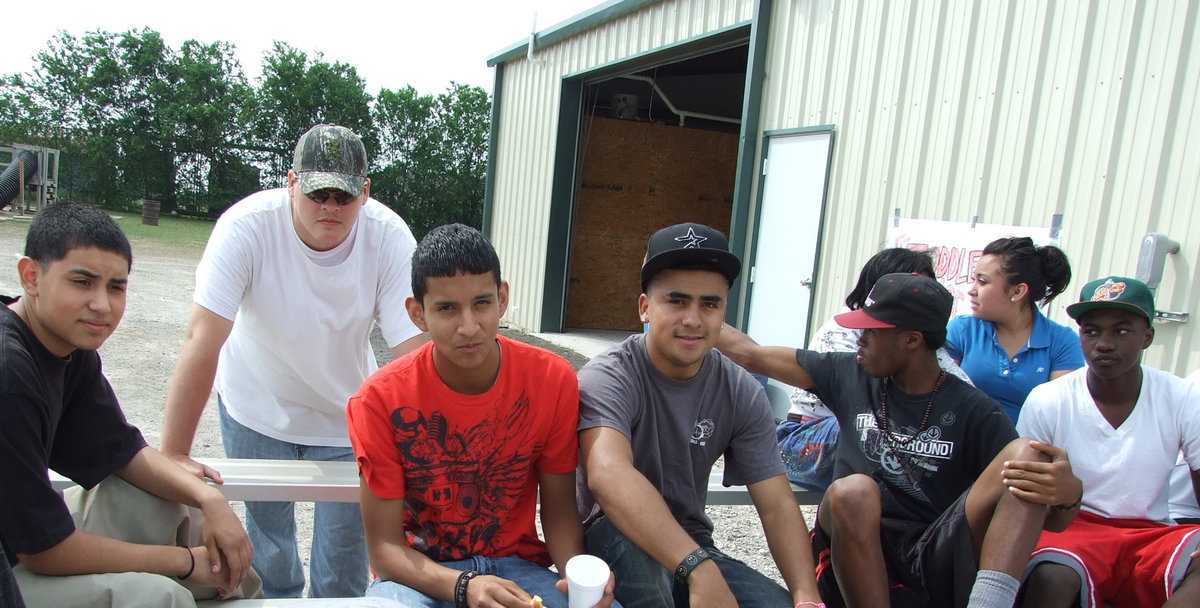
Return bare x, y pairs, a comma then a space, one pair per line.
534, 579
338, 562
644, 583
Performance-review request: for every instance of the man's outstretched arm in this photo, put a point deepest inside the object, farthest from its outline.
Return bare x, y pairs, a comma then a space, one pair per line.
638, 510
778, 362
191, 385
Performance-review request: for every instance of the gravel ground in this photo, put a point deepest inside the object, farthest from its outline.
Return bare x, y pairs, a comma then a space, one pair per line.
140, 356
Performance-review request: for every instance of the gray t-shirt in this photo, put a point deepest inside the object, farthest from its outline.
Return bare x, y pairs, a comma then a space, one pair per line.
678, 429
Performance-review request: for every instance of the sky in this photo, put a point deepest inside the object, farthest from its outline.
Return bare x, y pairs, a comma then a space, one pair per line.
426, 44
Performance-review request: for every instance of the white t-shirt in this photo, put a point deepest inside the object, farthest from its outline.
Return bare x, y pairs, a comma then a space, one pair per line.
300, 343
1124, 470
1183, 497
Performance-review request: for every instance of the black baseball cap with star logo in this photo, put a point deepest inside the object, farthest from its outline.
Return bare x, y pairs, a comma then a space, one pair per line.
692, 246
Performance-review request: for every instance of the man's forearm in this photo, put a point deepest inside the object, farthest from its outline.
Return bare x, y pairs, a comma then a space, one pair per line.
563, 532
638, 510
399, 563
153, 472
187, 395
86, 553
786, 531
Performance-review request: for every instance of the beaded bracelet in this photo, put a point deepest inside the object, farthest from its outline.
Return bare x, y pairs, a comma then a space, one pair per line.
460, 588
813, 604
689, 563
192, 568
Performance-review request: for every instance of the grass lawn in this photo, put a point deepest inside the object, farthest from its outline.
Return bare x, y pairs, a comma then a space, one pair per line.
171, 233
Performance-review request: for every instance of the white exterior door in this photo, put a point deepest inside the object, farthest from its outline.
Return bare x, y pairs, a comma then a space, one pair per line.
784, 255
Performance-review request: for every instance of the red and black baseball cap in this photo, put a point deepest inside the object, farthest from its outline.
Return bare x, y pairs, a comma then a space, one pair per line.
908, 301
690, 245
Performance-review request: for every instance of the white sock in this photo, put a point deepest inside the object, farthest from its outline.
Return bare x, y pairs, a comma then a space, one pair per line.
993, 589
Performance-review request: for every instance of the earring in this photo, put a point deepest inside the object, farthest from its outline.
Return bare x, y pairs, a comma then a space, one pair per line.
1013, 299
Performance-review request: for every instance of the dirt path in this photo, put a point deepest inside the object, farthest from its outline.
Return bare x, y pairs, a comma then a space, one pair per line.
140, 357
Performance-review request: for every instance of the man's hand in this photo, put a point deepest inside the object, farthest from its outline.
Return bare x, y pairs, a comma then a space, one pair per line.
488, 590
736, 345
707, 587
199, 469
1047, 483
226, 544
203, 573
604, 602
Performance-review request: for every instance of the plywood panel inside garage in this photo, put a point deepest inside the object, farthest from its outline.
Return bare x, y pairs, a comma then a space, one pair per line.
638, 177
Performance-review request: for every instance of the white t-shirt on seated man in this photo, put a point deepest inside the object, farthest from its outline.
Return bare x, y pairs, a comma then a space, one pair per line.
1182, 502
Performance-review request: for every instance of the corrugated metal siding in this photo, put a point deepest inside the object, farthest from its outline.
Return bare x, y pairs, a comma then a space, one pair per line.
1009, 111
528, 124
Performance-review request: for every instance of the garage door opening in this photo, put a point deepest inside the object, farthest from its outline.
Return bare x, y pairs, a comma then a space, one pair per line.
657, 147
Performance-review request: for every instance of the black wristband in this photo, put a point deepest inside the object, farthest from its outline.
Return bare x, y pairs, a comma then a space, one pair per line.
689, 563
192, 568
460, 588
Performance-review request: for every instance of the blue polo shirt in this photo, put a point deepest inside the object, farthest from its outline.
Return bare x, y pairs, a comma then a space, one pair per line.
1051, 347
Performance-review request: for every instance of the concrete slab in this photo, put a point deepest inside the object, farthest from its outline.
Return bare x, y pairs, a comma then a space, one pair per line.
587, 342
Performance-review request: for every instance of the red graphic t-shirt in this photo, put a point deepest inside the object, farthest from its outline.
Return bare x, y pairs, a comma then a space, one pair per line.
467, 465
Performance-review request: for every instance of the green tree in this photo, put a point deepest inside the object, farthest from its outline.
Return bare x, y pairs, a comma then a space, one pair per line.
434, 163
134, 117
297, 92
138, 119
205, 114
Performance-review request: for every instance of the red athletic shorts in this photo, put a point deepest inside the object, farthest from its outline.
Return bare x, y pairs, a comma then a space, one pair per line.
1125, 562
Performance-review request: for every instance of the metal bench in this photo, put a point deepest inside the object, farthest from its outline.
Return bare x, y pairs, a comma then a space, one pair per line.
320, 481
367, 602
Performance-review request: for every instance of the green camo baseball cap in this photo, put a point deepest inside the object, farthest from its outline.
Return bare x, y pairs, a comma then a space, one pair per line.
1114, 292
329, 156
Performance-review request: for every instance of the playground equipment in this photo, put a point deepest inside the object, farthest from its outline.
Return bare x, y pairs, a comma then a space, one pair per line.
28, 175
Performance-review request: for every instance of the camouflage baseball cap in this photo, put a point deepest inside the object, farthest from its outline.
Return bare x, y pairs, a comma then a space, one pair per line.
329, 156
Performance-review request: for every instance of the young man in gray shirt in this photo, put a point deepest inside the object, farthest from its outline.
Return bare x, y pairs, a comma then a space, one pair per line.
655, 413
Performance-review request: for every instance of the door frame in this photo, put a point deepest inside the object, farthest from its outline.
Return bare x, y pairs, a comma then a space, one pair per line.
566, 152
744, 313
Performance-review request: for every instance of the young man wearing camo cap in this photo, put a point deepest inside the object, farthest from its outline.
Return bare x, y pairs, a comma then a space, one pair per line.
291, 282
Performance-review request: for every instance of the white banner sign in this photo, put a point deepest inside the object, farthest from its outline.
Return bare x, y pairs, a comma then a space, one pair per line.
957, 247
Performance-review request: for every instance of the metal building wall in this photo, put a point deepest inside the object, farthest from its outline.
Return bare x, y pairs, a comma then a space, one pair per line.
1009, 111
528, 119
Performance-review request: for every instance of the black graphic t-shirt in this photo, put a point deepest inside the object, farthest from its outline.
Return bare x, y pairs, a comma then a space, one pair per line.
919, 478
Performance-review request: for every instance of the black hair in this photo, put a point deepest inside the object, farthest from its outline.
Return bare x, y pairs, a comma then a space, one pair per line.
888, 261
448, 250
62, 227
1044, 269
934, 339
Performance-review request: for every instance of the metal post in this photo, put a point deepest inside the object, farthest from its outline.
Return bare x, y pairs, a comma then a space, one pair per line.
21, 181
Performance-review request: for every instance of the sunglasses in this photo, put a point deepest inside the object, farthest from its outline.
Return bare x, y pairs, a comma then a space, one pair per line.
342, 197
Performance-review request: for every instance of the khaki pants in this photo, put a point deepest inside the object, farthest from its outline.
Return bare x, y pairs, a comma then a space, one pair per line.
116, 509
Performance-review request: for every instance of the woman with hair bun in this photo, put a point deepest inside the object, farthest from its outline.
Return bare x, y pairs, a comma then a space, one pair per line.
1007, 346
